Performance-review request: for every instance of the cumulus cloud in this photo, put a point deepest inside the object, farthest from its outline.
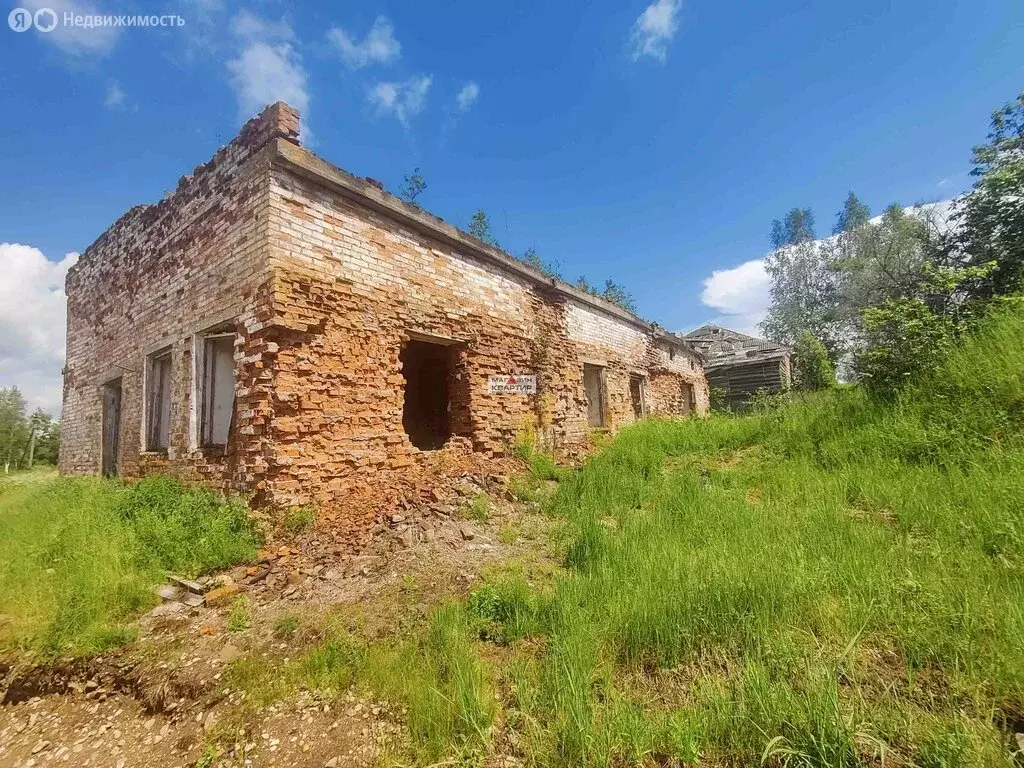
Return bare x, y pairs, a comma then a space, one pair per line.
741, 295
33, 311
267, 68
654, 29
248, 26
468, 95
401, 99
378, 47
76, 41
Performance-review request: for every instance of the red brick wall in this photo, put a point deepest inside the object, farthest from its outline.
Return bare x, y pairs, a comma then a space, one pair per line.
158, 276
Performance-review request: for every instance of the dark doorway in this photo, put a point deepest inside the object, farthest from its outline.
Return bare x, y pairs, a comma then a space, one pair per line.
111, 426
636, 395
593, 383
427, 369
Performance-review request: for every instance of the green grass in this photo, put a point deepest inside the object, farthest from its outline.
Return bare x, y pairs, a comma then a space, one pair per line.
830, 581
298, 519
479, 508
80, 557
287, 625
18, 478
241, 614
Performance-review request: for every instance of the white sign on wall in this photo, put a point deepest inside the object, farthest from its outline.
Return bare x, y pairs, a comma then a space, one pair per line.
512, 384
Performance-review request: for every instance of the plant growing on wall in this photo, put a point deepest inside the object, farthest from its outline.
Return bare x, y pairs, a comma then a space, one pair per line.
414, 186
480, 227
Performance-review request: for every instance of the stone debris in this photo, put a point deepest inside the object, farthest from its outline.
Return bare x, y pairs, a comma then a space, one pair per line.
173, 608
189, 585
221, 595
167, 592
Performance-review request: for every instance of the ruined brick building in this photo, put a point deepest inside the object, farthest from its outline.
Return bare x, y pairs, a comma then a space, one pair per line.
279, 327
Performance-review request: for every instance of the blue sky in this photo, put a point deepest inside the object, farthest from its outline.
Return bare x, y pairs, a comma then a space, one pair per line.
648, 142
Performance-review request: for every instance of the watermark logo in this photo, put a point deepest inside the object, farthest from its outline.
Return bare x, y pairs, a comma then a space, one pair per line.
46, 20
20, 20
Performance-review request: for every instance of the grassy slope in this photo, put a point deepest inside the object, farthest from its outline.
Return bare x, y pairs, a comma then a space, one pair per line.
79, 557
830, 584
824, 585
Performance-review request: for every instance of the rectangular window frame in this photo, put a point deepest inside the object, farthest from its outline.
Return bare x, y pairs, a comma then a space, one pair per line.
602, 396
641, 382
158, 402
206, 385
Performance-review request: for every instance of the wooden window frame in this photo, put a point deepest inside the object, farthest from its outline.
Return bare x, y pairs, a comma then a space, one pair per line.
154, 398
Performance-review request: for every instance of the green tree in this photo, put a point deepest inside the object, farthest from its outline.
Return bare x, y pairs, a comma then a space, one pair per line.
904, 339
812, 368
48, 442
854, 215
990, 218
804, 288
414, 186
886, 260
38, 444
480, 227
907, 337
797, 227
14, 427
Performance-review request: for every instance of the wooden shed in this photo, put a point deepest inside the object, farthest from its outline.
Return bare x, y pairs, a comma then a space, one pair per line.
740, 365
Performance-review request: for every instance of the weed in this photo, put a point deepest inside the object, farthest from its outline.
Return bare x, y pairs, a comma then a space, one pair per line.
209, 756
676, 554
479, 508
298, 519
409, 585
240, 616
509, 534
287, 625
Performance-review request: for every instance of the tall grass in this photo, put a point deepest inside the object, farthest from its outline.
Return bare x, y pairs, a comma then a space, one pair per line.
80, 557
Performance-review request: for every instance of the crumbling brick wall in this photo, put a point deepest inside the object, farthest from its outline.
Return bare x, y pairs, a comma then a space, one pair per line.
161, 274
326, 282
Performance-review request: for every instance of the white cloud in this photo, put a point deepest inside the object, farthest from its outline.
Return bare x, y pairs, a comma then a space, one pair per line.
741, 295
77, 41
248, 26
115, 97
654, 29
378, 47
468, 95
33, 311
268, 68
403, 100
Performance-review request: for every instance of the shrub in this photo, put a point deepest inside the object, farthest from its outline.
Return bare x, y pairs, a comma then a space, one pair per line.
287, 626
903, 339
812, 368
